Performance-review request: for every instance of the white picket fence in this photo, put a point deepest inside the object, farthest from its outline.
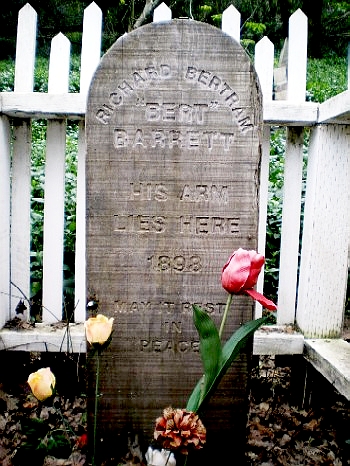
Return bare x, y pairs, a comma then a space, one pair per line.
313, 298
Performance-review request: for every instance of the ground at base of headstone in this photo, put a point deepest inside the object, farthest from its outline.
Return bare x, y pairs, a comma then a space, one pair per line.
283, 429
296, 417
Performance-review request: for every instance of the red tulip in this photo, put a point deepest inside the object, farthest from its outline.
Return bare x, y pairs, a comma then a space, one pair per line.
82, 441
240, 274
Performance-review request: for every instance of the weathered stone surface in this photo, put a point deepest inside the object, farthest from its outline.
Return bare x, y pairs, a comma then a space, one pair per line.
173, 150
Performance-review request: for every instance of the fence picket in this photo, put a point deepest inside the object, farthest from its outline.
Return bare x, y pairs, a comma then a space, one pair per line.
349, 66
55, 187
297, 56
21, 159
162, 13
289, 252
90, 57
263, 62
5, 197
80, 242
25, 49
264, 56
91, 45
231, 22
20, 214
325, 242
293, 169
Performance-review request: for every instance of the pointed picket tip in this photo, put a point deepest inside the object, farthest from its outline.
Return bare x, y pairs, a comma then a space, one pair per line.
231, 22
162, 13
25, 49
265, 43
263, 62
59, 64
298, 23
91, 44
60, 38
27, 9
297, 56
298, 15
93, 8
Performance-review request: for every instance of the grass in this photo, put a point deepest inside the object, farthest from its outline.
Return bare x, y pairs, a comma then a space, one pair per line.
326, 78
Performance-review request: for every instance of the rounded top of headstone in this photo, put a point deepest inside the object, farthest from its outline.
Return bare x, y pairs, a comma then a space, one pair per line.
157, 53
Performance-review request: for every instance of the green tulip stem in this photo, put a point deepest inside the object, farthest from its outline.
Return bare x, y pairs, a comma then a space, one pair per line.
64, 421
96, 404
224, 317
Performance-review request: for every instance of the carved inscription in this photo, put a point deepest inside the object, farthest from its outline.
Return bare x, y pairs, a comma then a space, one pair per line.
224, 91
170, 112
217, 193
186, 224
163, 138
209, 225
167, 308
127, 87
170, 124
140, 223
205, 192
174, 343
160, 346
176, 263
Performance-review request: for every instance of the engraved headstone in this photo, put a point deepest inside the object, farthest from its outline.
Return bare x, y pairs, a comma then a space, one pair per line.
173, 151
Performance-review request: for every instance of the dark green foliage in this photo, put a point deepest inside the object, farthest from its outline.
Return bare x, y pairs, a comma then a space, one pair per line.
274, 214
37, 212
56, 444
326, 78
34, 428
41, 443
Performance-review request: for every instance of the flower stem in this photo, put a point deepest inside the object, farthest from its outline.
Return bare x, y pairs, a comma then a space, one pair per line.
224, 317
64, 421
96, 404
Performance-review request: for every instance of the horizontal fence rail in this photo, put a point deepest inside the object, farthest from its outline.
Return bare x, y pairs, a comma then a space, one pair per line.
312, 280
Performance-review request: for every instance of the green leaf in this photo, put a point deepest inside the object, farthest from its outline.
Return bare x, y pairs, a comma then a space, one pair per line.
58, 445
229, 352
195, 398
238, 340
209, 344
33, 427
210, 349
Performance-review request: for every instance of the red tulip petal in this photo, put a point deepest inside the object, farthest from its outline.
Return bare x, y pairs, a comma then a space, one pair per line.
236, 271
267, 303
256, 263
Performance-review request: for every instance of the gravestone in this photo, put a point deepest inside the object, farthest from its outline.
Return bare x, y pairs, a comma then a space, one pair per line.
173, 152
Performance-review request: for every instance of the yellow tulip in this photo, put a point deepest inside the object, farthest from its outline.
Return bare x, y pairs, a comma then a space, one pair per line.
42, 383
98, 329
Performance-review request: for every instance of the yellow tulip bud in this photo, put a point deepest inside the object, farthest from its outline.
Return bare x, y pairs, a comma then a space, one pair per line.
98, 329
42, 383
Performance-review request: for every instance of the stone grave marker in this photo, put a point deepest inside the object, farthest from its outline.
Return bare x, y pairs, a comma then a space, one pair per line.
173, 151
